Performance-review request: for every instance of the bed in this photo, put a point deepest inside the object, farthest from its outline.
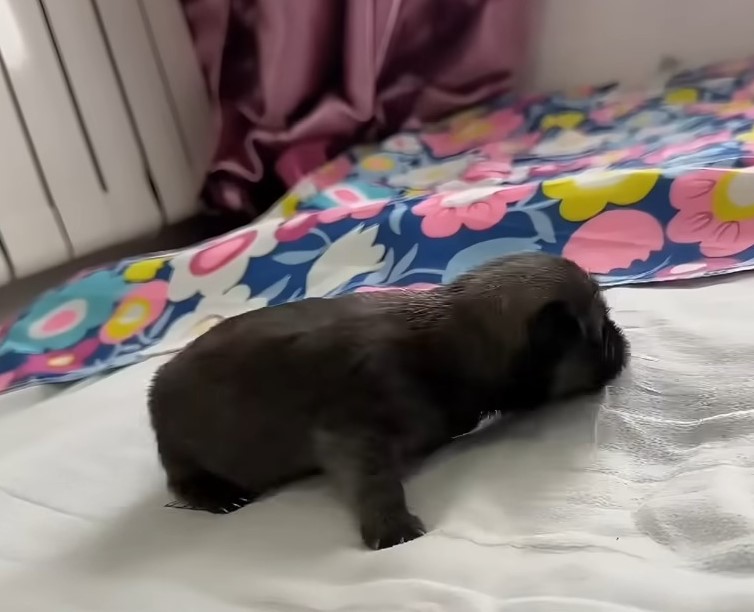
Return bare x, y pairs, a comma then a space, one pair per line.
640, 499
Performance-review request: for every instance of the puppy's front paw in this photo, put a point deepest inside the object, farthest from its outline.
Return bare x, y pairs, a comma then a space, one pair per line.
387, 531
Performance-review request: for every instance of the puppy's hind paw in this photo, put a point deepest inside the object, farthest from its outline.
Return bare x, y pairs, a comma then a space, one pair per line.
391, 531
210, 494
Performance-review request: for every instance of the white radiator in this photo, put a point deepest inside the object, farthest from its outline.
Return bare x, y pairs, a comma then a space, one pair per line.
105, 126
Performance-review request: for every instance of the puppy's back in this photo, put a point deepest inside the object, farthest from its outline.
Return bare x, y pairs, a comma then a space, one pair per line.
286, 359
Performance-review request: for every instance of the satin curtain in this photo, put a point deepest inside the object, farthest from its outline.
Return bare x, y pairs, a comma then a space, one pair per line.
294, 82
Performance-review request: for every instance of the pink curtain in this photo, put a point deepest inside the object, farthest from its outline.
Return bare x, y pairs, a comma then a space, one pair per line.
294, 82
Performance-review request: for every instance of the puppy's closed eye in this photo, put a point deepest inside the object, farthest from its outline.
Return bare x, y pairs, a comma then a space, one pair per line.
554, 329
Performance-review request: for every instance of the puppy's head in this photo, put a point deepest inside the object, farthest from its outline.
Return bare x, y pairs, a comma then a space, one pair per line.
552, 311
583, 353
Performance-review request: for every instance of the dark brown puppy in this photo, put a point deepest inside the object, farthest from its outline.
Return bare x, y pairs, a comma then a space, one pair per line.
359, 385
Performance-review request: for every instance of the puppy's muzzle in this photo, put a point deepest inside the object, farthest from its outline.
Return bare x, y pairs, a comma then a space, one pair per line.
614, 352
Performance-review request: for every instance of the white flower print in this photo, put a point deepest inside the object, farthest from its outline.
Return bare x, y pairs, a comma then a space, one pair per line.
207, 313
430, 176
214, 267
352, 254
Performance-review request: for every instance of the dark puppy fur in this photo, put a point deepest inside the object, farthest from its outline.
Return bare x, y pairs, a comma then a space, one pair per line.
359, 385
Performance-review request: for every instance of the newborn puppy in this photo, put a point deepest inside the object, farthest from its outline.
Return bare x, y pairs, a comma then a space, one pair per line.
359, 385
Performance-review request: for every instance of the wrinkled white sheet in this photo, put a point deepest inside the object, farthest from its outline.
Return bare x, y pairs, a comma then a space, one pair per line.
643, 500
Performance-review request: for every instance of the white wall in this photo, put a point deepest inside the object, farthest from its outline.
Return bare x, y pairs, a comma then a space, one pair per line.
580, 42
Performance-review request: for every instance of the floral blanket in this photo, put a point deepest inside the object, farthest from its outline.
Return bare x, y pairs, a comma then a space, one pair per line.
634, 187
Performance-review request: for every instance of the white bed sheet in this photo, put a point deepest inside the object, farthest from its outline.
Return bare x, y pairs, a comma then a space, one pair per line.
641, 500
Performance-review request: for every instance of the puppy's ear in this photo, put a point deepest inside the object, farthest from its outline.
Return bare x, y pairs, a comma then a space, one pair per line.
554, 329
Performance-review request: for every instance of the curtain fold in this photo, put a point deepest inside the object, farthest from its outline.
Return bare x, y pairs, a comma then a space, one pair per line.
294, 82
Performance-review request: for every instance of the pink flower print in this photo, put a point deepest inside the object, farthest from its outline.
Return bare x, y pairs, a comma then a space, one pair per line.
412, 287
617, 109
696, 269
352, 202
299, 226
473, 132
549, 169
614, 240
408, 144
485, 170
601, 160
737, 107
691, 146
745, 93
477, 208
606, 159
5, 328
354, 211
296, 227
53, 362
6, 379
215, 267
331, 173
506, 149
715, 210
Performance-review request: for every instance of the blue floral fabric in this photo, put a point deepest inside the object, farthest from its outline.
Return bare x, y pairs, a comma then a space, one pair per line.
634, 187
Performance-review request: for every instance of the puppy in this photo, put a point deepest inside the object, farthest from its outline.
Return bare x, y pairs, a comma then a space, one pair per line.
357, 386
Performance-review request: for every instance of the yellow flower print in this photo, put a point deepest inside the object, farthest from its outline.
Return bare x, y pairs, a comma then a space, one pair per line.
460, 135
465, 127
734, 107
131, 316
414, 193
145, 270
475, 130
378, 163
288, 205
733, 196
585, 195
566, 121
747, 137
681, 97
137, 311
459, 120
